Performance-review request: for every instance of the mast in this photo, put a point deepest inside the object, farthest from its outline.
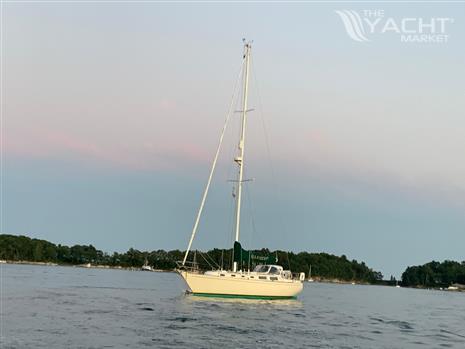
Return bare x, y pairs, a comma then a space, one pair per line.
240, 158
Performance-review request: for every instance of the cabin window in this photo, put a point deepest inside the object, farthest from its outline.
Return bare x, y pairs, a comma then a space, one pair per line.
233, 275
262, 277
273, 278
252, 277
261, 269
274, 270
222, 275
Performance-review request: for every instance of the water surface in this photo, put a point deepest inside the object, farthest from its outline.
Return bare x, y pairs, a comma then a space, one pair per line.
68, 307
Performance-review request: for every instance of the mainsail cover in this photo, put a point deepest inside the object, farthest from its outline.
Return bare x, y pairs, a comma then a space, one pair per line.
250, 258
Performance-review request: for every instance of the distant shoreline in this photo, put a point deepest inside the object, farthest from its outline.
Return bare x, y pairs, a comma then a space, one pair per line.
97, 266
85, 266
320, 266
315, 280
323, 266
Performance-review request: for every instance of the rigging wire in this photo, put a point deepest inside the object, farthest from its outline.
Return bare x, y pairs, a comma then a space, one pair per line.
211, 259
206, 260
228, 115
268, 147
252, 213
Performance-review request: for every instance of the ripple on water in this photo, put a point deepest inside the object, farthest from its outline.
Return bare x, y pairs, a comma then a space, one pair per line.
452, 333
147, 309
403, 325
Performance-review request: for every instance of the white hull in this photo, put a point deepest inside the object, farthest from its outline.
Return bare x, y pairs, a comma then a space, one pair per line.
215, 285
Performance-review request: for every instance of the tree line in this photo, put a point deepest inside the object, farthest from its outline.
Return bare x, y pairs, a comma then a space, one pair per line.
435, 274
323, 265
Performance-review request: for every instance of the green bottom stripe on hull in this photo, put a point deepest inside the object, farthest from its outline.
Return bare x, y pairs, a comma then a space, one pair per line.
219, 295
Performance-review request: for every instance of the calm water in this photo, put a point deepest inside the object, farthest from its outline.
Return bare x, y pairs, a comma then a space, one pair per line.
65, 307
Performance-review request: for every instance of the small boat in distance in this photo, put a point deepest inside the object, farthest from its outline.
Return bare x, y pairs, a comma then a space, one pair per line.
267, 280
310, 274
146, 266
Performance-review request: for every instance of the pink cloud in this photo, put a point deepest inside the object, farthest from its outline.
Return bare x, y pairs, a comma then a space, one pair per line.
138, 156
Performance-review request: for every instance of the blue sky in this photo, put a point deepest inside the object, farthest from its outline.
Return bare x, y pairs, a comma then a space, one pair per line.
112, 113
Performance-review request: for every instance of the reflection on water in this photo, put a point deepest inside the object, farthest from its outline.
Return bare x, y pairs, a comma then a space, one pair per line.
66, 307
249, 302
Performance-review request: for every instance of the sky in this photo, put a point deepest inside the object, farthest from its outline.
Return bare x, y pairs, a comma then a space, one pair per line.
112, 113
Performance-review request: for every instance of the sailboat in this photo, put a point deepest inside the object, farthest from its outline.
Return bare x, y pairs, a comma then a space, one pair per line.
146, 266
310, 274
267, 280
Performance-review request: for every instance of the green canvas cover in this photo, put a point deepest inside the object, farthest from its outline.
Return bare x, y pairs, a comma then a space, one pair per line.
250, 258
